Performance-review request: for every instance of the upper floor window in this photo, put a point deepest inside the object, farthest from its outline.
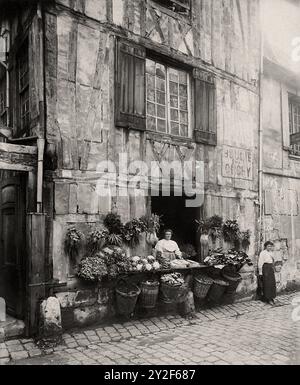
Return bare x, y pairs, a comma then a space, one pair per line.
294, 124
182, 7
4, 41
23, 88
168, 99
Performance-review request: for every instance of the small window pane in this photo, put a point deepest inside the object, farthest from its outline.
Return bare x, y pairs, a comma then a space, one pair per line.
183, 90
184, 117
150, 67
161, 112
174, 101
175, 128
160, 71
151, 109
151, 94
151, 123
173, 88
183, 130
183, 78
183, 104
160, 84
161, 125
161, 97
150, 81
174, 115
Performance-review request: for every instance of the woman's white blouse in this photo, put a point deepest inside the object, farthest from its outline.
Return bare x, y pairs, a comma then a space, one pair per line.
264, 257
170, 246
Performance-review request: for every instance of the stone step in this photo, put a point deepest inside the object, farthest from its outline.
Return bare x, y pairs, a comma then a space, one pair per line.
11, 328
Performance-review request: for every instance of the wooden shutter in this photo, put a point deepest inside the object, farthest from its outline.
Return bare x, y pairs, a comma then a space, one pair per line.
205, 108
130, 86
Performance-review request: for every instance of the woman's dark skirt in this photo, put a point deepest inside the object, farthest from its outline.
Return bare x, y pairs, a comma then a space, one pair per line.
268, 282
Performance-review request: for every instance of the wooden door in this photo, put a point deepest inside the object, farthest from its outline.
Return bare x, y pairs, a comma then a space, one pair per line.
12, 244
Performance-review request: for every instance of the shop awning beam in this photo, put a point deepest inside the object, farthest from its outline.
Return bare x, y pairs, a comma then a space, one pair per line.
17, 157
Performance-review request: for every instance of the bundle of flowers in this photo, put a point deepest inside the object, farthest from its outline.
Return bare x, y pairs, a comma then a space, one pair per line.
92, 269
174, 279
144, 264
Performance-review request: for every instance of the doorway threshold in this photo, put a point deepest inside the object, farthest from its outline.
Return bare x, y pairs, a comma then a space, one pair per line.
11, 328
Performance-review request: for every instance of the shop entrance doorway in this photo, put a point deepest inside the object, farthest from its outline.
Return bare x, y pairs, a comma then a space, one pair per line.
176, 216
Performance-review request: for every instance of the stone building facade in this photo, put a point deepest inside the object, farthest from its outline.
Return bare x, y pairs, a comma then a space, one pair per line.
158, 81
280, 138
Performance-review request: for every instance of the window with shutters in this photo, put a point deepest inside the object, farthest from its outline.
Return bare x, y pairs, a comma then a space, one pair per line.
23, 89
3, 78
130, 88
162, 97
182, 7
205, 108
294, 124
168, 99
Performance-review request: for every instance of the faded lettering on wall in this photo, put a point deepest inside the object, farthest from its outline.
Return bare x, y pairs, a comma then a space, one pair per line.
237, 163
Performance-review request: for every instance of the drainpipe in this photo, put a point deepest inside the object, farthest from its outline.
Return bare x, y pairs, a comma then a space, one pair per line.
41, 141
260, 133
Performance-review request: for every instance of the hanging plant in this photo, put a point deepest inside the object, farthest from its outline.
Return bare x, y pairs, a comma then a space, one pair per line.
96, 241
231, 231
245, 238
132, 231
152, 223
73, 242
113, 223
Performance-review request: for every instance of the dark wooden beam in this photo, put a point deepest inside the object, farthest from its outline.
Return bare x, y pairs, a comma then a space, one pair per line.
17, 157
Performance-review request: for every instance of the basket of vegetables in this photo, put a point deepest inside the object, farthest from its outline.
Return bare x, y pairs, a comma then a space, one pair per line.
126, 297
149, 294
170, 287
202, 284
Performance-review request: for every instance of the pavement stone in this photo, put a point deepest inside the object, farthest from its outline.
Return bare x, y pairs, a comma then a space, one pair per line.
244, 333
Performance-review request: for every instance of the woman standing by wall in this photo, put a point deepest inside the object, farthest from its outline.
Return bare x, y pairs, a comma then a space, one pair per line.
266, 274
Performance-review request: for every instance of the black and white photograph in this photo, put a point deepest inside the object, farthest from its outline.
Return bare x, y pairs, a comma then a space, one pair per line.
149, 185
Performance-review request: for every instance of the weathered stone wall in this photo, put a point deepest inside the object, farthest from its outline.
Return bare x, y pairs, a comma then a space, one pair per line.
221, 37
281, 182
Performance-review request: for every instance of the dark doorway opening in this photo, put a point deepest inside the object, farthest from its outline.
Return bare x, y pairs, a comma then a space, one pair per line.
13, 241
176, 216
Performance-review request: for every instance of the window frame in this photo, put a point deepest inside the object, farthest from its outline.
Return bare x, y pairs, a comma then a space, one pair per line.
4, 78
187, 16
190, 126
292, 101
23, 91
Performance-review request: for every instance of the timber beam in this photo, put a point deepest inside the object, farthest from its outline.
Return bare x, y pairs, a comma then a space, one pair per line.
17, 157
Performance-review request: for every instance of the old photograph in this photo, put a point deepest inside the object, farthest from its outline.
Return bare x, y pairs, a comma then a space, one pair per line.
149, 185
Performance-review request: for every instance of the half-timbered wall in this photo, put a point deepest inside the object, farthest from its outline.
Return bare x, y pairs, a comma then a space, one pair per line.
221, 37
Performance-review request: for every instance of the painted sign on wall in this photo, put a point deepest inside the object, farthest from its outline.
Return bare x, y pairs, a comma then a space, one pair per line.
237, 163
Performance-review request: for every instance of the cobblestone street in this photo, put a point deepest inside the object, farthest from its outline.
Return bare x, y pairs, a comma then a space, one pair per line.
245, 333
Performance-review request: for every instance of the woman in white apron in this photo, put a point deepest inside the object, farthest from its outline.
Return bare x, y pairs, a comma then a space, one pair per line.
168, 248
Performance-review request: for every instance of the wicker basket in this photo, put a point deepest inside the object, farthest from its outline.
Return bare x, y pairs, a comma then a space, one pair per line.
149, 294
126, 301
202, 286
169, 293
217, 291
